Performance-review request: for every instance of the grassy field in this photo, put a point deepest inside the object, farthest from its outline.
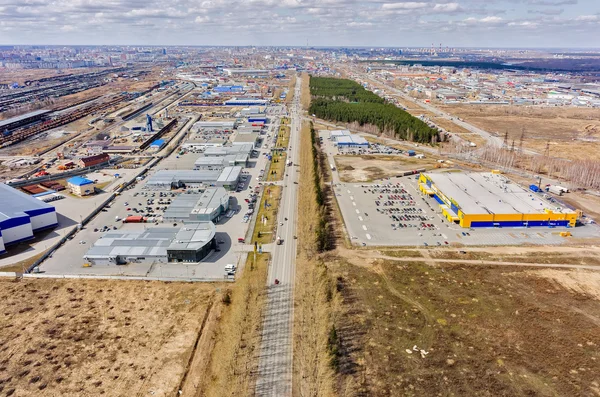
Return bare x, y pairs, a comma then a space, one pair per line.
234, 359
92, 337
415, 330
283, 139
277, 167
266, 219
534, 257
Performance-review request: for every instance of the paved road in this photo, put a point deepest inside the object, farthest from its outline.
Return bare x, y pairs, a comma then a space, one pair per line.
275, 362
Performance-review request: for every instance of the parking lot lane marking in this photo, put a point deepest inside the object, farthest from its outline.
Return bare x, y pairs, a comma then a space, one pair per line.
364, 227
360, 218
351, 197
357, 211
348, 191
368, 236
354, 204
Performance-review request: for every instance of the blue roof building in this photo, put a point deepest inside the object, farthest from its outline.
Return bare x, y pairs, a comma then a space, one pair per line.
79, 181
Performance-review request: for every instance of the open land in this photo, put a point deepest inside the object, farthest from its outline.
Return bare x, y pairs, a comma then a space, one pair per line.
366, 168
571, 133
414, 328
91, 337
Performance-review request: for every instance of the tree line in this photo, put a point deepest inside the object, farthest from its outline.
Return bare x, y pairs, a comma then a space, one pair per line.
346, 101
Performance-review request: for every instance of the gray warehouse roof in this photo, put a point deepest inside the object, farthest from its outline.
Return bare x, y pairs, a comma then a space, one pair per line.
166, 177
22, 117
152, 242
225, 150
207, 202
193, 236
143, 243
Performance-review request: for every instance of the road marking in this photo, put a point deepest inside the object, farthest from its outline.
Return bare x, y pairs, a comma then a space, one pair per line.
348, 191
354, 204
357, 211
364, 227
368, 236
360, 218
351, 197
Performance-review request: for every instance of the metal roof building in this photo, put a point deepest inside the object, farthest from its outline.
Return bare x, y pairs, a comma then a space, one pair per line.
229, 150
207, 206
220, 162
190, 243
246, 102
491, 200
21, 216
21, 120
351, 141
174, 179
246, 138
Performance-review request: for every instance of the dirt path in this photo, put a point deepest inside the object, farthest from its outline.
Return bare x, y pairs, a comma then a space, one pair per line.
427, 329
486, 263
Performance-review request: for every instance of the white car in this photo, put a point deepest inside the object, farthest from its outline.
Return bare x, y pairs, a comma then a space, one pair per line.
230, 267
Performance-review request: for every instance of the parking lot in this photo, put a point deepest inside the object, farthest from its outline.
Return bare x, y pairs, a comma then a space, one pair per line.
394, 213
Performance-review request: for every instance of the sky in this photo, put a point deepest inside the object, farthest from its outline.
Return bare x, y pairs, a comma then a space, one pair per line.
371, 23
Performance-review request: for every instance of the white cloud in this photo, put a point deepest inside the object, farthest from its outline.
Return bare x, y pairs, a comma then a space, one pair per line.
411, 5
446, 8
491, 20
588, 18
202, 19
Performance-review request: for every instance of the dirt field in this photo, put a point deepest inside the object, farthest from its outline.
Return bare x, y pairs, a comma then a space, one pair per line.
97, 338
417, 330
572, 132
366, 168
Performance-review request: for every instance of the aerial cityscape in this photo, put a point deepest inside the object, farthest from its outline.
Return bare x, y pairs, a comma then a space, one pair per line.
341, 199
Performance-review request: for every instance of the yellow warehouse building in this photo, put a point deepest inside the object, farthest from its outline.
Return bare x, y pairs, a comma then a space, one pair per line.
491, 200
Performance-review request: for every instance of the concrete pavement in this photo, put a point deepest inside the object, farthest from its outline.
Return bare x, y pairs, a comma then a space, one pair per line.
275, 360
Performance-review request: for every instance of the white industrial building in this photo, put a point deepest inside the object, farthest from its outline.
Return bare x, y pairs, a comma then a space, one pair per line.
351, 141
220, 162
246, 148
21, 216
213, 125
207, 206
189, 243
334, 134
243, 138
245, 72
227, 178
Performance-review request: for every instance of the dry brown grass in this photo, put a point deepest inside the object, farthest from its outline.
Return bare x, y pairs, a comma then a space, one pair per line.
314, 300
571, 132
487, 332
305, 91
291, 89
93, 338
277, 166
234, 358
266, 219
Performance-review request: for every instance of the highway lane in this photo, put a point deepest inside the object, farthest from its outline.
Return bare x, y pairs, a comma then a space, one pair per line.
275, 360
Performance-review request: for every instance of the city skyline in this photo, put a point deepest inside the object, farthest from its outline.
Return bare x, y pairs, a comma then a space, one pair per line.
460, 23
